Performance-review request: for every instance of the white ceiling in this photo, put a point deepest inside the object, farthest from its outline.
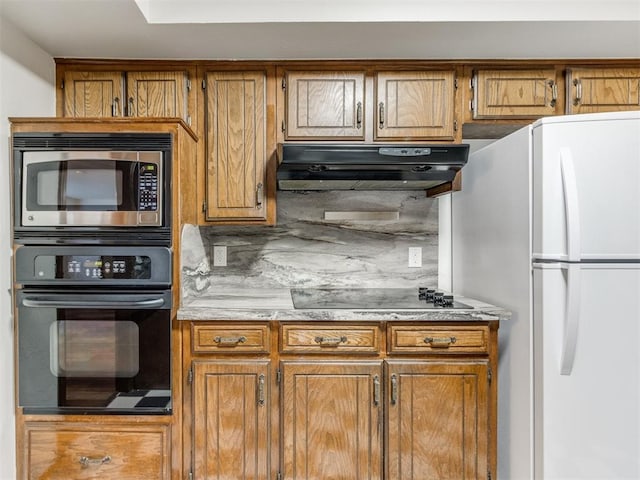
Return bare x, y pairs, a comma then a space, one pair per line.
339, 29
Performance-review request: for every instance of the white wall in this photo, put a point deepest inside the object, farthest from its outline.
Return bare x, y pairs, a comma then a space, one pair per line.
27, 88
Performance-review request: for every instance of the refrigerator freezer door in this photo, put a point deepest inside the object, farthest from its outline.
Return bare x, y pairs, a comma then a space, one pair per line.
587, 423
586, 187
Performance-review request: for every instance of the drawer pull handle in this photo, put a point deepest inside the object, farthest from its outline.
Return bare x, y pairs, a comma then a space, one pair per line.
229, 341
330, 341
442, 342
86, 461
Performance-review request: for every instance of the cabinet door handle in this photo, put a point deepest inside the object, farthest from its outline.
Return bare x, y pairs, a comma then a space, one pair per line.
259, 195
376, 390
381, 114
229, 341
394, 389
442, 342
578, 84
87, 461
130, 109
359, 115
554, 93
114, 107
330, 341
261, 390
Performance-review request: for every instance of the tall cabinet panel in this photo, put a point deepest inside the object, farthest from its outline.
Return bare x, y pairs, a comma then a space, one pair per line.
437, 420
236, 150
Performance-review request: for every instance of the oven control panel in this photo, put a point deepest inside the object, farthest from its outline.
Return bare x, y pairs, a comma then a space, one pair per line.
92, 267
148, 187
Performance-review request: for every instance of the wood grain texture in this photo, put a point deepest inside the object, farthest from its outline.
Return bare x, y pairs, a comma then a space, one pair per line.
93, 94
591, 90
411, 339
253, 338
331, 426
515, 93
126, 450
437, 420
325, 104
231, 420
330, 339
416, 105
157, 94
236, 145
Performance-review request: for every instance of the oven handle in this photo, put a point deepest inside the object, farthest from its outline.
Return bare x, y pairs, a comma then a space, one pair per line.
66, 302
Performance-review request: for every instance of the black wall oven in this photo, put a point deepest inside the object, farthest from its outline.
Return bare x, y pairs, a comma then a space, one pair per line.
94, 329
116, 186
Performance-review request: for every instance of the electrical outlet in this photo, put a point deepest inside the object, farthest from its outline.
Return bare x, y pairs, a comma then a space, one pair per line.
415, 257
219, 255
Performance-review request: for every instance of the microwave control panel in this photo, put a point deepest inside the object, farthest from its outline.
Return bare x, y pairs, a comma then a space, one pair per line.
148, 187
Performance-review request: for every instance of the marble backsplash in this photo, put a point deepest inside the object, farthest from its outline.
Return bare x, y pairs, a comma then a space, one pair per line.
304, 250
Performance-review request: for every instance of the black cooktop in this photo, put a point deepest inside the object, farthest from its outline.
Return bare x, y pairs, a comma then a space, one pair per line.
374, 298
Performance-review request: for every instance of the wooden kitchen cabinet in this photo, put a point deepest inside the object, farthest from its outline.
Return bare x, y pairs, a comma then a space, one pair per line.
231, 411
238, 177
511, 93
97, 93
317, 400
415, 105
437, 419
591, 90
324, 105
331, 420
85, 450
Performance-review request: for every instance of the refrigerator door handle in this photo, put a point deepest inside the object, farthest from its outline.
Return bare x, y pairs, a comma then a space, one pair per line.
571, 202
571, 321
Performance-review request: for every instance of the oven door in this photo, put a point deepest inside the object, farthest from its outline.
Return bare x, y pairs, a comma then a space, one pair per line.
91, 188
94, 351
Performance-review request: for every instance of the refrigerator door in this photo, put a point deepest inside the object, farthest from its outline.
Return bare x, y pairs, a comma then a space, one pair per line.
587, 418
586, 187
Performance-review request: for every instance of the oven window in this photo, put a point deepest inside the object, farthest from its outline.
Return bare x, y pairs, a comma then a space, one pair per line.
79, 187
94, 349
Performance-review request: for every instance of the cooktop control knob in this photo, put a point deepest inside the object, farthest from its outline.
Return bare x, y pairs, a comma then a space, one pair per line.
438, 299
447, 301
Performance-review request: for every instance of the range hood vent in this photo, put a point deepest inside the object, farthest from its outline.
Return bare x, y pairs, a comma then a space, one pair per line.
368, 167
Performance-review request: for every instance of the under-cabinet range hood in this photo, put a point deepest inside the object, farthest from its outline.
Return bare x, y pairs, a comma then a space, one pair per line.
368, 167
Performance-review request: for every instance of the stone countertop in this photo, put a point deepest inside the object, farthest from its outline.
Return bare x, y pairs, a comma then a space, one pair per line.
276, 304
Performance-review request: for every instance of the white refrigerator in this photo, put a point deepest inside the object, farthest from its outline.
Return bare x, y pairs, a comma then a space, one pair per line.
548, 225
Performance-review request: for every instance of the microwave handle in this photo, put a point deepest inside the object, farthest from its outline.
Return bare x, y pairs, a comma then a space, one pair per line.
60, 303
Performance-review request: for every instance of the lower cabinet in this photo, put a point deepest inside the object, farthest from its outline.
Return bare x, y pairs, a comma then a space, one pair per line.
343, 401
79, 451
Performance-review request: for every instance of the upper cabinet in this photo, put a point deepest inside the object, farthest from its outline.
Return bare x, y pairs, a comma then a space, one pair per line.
415, 105
324, 104
237, 173
529, 93
94, 93
368, 105
591, 90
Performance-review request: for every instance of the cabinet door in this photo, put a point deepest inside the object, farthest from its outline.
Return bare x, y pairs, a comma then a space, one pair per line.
231, 419
514, 93
325, 105
157, 94
593, 90
93, 94
83, 451
416, 105
331, 414
437, 420
235, 152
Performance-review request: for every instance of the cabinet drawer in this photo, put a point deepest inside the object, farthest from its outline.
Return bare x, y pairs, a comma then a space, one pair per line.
230, 338
434, 339
92, 451
329, 339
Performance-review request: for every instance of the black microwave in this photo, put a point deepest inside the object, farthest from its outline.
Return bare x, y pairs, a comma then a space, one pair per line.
92, 184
